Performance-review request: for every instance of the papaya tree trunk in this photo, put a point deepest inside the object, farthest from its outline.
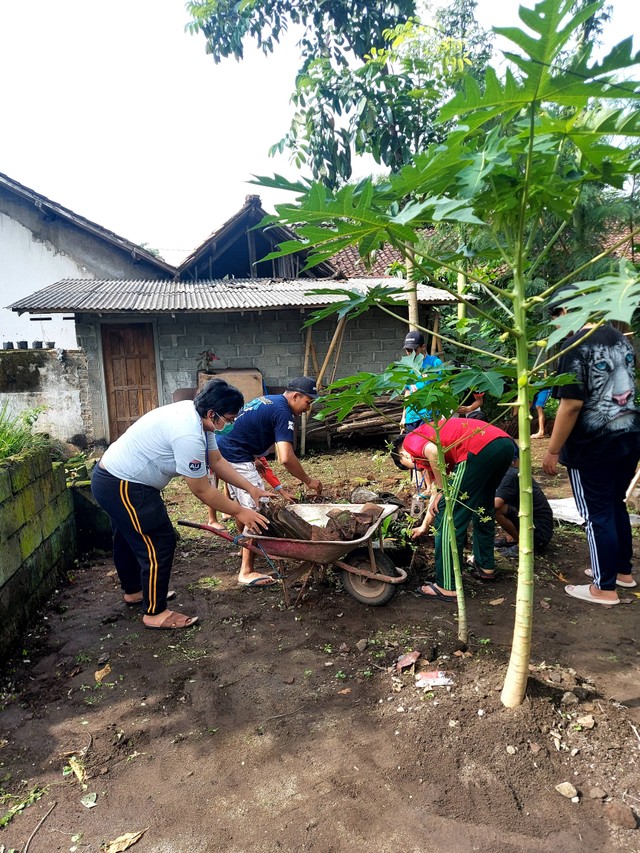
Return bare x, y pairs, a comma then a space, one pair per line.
515, 684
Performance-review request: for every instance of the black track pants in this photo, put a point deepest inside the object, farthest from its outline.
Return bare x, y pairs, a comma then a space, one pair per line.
144, 540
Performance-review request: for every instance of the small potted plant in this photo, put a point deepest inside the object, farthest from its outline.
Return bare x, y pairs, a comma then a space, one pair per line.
206, 360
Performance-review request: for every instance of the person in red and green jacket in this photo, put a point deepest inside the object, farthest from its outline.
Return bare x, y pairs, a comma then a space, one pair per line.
477, 455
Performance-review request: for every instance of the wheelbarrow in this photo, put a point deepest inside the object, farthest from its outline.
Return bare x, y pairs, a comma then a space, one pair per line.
369, 575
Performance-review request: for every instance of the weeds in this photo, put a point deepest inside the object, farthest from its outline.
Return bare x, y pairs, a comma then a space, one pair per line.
16, 431
33, 796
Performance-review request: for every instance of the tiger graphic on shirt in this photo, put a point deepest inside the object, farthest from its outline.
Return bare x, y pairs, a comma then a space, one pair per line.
608, 374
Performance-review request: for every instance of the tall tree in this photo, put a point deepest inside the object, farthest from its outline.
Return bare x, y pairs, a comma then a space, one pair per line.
340, 29
525, 148
371, 77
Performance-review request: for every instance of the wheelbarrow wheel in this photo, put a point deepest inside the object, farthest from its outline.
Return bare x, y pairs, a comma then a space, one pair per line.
368, 590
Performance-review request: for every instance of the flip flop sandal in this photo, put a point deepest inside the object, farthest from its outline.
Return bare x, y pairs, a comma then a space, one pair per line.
481, 574
259, 583
583, 592
173, 620
437, 595
589, 574
170, 596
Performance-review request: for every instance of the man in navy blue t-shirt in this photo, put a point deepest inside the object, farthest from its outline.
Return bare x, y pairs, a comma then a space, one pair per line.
262, 422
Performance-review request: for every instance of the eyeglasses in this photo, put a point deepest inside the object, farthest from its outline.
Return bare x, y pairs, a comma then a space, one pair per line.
228, 419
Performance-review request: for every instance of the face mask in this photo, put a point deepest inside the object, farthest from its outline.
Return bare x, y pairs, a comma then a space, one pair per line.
226, 428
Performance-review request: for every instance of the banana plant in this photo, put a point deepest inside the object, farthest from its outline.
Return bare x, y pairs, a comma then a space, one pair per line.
524, 146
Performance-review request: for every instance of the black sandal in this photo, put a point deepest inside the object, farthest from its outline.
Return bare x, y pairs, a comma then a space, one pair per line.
486, 575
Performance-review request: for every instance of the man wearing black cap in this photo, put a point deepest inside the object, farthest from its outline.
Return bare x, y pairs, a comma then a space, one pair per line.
414, 343
262, 422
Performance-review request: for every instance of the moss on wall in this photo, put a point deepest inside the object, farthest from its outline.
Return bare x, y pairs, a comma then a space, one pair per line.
19, 369
38, 538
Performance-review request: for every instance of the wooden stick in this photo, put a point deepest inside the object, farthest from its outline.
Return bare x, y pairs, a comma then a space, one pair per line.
337, 355
436, 345
314, 358
31, 837
332, 346
305, 368
307, 351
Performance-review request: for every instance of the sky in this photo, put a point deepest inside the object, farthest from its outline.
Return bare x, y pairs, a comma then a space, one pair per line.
112, 110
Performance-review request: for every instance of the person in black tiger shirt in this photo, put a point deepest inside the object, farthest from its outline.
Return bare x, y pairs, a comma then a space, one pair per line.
596, 434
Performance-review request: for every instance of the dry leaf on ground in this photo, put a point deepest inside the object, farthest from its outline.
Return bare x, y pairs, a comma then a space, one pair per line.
101, 674
123, 842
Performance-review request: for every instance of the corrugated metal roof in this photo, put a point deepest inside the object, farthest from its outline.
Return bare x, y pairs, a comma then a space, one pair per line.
90, 295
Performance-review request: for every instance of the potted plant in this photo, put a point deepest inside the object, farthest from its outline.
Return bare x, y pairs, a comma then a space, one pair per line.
205, 363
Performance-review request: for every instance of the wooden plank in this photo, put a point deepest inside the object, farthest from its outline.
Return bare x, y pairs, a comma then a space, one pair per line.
248, 381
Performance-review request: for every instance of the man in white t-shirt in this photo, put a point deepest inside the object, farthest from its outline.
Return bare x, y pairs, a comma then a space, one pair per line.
174, 440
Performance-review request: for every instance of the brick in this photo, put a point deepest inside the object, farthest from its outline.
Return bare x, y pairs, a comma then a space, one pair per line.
22, 471
30, 536
11, 558
59, 477
5, 483
12, 516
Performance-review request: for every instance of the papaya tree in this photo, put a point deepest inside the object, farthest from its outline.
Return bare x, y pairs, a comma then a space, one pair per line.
522, 146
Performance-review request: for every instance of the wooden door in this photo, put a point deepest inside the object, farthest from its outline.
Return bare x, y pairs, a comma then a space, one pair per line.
130, 374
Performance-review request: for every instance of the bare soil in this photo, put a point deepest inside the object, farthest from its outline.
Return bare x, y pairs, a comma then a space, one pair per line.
266, 728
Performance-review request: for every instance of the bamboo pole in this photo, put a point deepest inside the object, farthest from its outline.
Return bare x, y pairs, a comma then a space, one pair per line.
305, 368
336, 358
334, 340
436, 343
314, 358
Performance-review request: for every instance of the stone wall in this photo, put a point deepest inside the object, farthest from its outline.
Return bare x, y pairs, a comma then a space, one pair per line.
54, 379
37, 538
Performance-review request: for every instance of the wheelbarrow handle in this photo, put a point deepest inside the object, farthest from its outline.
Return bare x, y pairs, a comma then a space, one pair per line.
222, 533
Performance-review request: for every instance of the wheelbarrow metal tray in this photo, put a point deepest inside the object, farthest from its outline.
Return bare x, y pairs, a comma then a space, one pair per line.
320, 552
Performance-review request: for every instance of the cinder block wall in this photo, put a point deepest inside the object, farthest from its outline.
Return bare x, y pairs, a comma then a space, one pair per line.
37, 538
271, 341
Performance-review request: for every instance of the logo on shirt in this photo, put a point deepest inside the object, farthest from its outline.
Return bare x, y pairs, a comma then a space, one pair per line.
290, 425
195, 465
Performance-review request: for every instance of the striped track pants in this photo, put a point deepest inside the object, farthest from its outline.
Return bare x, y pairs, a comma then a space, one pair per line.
144, 540
599, 493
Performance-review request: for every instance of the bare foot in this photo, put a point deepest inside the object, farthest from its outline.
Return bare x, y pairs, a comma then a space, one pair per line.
538, 435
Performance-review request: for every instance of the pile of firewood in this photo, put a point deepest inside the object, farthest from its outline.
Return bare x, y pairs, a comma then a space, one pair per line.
343, 525
384, 419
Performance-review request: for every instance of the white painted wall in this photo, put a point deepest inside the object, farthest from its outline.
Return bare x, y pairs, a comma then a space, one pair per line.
29, 265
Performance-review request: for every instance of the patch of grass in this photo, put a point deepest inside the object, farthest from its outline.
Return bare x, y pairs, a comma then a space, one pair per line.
16, 431
206, 583
33, 796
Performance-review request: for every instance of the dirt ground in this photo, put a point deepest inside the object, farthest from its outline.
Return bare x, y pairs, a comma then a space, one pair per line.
267, 728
